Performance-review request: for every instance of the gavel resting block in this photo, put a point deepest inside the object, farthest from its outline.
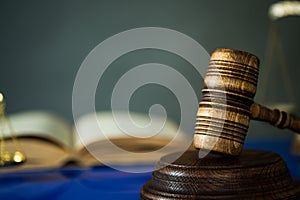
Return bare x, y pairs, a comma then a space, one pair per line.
255, 174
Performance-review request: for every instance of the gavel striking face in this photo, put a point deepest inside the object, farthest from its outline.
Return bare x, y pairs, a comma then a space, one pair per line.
227, 106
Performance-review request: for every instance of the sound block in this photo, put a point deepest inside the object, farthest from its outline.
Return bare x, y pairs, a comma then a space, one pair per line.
255, 174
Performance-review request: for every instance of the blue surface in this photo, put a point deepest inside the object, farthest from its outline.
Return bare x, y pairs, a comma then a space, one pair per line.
283, 148
94, 183
103, 182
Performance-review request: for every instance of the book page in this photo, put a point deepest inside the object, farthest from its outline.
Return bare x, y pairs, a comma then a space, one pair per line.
41, 124
87, 129
95, 137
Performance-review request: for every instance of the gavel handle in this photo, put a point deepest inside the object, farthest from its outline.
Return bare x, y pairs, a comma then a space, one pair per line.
275, 117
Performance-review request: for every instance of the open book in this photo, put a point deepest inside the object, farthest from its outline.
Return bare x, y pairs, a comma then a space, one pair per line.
50, 141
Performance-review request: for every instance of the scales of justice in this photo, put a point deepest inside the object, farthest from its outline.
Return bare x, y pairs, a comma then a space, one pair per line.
9, 157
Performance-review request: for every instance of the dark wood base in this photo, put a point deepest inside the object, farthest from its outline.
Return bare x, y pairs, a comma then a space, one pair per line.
254, 174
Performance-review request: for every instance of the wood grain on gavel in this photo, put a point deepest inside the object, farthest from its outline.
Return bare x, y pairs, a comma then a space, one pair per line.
254, 174
226, 109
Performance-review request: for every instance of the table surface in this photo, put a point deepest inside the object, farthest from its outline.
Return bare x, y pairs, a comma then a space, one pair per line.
103, 182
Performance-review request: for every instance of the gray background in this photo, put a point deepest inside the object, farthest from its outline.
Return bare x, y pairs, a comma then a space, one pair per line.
43, 43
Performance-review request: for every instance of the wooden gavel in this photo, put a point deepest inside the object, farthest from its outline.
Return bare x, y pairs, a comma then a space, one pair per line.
227, 106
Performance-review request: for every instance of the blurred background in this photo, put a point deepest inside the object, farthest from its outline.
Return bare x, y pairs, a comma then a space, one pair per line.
43, 44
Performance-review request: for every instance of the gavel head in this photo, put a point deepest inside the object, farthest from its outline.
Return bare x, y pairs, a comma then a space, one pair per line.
223, 116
